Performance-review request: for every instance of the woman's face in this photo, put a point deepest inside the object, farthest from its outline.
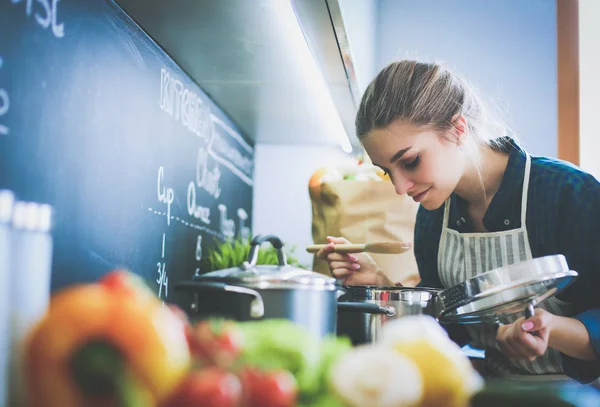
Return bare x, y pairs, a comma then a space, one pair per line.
420, 161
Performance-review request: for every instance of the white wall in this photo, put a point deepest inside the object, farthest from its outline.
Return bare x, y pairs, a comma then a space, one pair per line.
281, 201
506, 48
589, 81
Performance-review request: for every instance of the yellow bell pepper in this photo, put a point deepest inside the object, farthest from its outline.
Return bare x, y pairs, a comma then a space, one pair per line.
105, 344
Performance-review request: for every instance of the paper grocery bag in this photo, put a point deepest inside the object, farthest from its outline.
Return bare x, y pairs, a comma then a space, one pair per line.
364, 211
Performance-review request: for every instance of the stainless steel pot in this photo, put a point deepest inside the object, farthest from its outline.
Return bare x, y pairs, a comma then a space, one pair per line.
254, 291
365, 328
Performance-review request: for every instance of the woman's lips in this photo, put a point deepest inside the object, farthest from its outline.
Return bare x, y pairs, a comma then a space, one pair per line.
419, 197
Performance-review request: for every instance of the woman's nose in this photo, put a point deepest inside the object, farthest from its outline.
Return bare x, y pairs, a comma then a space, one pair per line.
402, 184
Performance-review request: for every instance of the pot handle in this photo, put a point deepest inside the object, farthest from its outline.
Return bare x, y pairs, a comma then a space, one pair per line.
255, 246
257, 307
366, 307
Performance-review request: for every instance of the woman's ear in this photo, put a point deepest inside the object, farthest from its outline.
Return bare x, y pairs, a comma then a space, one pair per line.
459, 126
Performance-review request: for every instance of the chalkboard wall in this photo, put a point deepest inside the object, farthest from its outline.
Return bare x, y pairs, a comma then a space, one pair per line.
142, 169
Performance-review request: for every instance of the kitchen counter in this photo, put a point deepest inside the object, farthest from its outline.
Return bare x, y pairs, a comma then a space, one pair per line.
502, 393
514, 393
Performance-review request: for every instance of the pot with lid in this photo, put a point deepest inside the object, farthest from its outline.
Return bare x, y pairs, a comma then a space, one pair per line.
498, 295
251, 292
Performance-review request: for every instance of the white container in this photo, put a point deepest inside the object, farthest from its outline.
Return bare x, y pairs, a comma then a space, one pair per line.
30, 245
6, 205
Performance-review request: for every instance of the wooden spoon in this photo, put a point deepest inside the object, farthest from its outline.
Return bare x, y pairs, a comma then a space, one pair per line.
371, 247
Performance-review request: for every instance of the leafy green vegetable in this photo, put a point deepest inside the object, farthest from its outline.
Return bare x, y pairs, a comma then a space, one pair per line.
332, 348
282, 344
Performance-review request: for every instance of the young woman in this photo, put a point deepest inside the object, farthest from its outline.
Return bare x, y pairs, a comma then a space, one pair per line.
485, 203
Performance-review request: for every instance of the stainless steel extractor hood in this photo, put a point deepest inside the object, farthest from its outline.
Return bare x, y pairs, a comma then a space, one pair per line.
247, 56
323, 27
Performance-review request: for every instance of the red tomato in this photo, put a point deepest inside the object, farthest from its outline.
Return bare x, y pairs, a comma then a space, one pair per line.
210, 387
216, 342
270, 389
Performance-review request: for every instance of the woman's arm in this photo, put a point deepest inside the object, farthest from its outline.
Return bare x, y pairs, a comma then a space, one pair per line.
578, 338
571, 337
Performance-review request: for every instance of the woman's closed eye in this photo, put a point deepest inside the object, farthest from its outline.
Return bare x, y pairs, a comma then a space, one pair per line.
410, 165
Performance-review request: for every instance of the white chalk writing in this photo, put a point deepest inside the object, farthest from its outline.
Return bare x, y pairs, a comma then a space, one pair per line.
199, 248
195, 210
243, 230
205, 178
45, 14
4, 105
222, 148
184, 105
165, 195
227, 225
163, 279
188, 224
198, 253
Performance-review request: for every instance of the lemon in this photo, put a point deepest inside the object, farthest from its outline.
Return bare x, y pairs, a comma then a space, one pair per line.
448, 376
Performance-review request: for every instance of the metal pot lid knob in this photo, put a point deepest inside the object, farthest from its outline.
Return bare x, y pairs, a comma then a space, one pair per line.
255, 244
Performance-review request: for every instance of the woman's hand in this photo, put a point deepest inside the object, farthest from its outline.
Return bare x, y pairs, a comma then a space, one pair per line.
526, 338
352, 269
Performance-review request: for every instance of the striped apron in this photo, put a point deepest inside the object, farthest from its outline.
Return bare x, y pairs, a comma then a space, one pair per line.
465, 255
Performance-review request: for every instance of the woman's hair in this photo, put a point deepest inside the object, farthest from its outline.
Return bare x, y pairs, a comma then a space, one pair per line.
429, 95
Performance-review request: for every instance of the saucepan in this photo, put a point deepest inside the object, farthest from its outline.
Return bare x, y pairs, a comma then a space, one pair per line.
251, 292
365, 328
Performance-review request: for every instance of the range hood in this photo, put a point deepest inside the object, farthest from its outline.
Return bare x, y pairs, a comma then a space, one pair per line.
323, 27
252, 59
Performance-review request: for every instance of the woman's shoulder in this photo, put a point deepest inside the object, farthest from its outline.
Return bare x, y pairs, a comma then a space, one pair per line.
554, 167
562, 173
565, 181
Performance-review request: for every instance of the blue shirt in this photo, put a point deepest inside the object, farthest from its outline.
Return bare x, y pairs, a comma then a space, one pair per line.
563, 217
